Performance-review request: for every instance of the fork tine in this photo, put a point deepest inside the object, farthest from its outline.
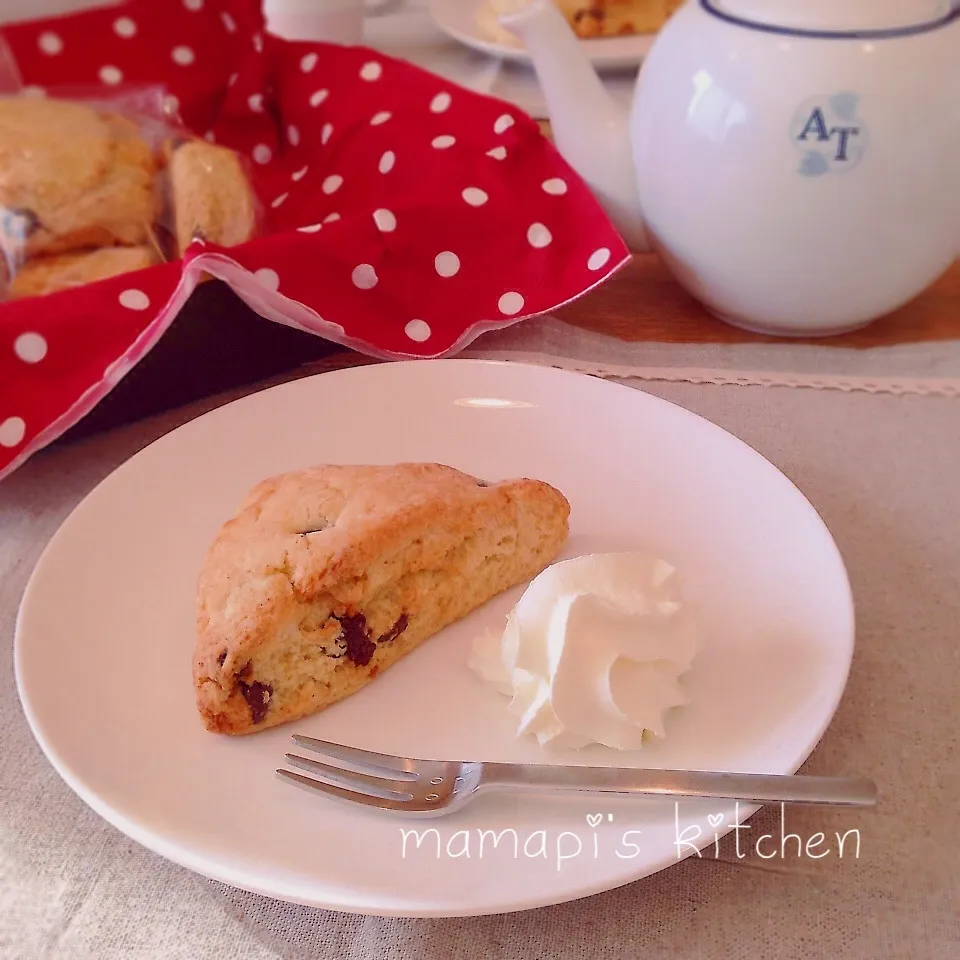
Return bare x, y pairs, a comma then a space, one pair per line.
380, 763
389, 789
341, 794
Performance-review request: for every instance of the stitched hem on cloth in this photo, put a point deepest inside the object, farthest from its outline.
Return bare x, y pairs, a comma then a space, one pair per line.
919, 386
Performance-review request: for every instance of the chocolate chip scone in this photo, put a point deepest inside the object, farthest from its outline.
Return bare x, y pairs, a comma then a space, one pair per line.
212, 198
614, 18
72, 177
329, 575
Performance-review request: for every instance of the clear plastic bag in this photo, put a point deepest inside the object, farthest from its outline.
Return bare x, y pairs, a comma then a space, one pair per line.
93, 186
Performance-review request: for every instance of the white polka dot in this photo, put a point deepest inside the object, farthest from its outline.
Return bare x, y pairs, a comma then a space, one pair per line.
50, 43
183, 55
318, 96
310, 228
12, 431
442, 143
277, 201
30, 347
364, 277
475, 196
229, 23
326, 133
447, 264
308, 61
554, 186
111, 75
210, 137
386, 222
418, 330
440, 102
387, 161
232, 79
267, 278
332, 183
134, 300
503, 123
193, 5
255, 102
331, 218
171, 104
382, 117
298, 175
293, 135
598, 259
262, 153
33, 91
371, 70
124, 27
498, 153
539, 236
258, 42
510, 304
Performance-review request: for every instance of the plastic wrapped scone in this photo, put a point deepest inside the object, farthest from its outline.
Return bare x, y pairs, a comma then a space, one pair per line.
212, 199
92, 189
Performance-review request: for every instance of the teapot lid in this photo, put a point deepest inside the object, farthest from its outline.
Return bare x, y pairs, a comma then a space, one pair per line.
829, 18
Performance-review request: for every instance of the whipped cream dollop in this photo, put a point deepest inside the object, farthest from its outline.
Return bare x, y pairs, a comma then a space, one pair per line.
593, 652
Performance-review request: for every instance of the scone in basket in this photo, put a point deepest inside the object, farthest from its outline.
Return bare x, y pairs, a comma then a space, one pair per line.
149, 146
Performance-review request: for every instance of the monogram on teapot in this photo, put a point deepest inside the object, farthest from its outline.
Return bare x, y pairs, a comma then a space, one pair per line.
796, 163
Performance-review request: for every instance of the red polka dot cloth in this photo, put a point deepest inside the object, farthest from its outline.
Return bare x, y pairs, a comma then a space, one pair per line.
403, 215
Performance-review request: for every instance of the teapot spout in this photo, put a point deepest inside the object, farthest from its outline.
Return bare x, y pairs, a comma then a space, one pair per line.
589, 129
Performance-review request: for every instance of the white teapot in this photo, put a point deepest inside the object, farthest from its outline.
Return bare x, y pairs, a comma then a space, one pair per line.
796, 163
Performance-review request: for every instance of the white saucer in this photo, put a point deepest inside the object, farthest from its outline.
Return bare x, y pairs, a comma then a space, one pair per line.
473, 23
105, 639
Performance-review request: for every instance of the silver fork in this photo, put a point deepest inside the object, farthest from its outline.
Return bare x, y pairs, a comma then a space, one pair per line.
433, 788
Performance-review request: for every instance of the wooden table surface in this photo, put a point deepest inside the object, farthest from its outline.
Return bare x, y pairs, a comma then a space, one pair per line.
643, 303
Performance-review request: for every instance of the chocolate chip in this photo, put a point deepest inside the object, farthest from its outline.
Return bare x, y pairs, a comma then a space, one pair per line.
355, 639
395, 630
257, 695
222, 657
482, 483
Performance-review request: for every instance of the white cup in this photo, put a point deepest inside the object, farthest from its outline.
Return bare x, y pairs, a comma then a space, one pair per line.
330, 21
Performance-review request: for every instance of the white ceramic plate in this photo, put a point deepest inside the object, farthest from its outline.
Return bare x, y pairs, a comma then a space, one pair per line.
473, 23
105, 639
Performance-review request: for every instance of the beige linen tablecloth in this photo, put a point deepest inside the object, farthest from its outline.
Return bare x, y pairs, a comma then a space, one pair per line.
883, 472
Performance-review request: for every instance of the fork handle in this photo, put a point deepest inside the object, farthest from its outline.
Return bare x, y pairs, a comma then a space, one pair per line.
746, 787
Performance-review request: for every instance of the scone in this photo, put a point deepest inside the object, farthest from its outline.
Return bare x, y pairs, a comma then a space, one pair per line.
49, 274
612, 18
212, 198
72, 177
329, 575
